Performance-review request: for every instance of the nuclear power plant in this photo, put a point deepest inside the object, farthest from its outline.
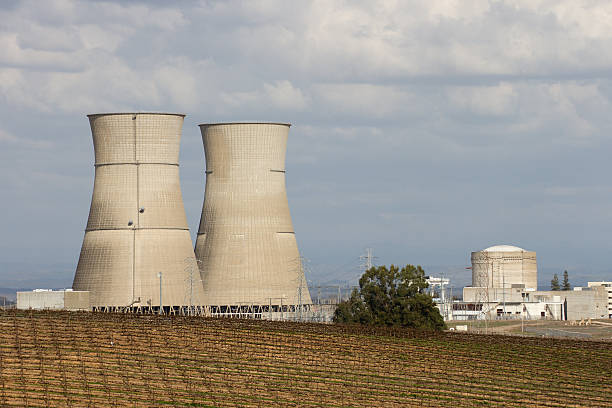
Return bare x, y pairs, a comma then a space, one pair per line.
137, 251
137, 254
246, 246
505, 286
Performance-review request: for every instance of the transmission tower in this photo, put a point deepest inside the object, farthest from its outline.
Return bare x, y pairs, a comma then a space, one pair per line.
368, 259
488, 282
190, 268
301, 281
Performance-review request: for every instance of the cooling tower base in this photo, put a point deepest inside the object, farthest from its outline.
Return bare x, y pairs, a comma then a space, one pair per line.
167, 310
299, 313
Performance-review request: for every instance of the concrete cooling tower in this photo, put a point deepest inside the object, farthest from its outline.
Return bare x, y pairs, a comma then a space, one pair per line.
246, 245
502, 266
137, 226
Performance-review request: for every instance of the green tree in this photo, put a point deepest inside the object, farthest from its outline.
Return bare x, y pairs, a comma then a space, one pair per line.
554, 283
566, 284
353, 310
391, 297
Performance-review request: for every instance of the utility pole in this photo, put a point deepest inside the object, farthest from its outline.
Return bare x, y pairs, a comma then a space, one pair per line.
523, 319
161, 307
302, 278
190, 291
191, 268
487, 289
451, 304
300, 301
504, 286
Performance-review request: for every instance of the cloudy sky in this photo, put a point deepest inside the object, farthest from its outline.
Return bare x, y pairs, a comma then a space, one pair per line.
422, 129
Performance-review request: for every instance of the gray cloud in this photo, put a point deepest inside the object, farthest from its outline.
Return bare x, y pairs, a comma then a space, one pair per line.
424, 129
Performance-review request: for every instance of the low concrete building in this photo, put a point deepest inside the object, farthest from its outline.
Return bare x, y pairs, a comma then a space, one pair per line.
580, 303
608, 287
509, 303
517, 303
47, 299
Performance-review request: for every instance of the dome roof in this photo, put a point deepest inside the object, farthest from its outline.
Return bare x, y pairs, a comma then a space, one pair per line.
503, 248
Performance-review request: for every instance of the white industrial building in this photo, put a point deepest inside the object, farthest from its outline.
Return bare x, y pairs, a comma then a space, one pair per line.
47, 299
438, 290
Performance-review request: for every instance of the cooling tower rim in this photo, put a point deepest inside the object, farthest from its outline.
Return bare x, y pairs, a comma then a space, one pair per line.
91, 115
244, 123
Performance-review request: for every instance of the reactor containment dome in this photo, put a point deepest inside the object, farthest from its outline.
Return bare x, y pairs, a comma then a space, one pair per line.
137, 247
246, 244
504, 266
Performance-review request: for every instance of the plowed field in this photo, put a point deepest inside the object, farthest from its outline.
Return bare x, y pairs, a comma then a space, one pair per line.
107, 360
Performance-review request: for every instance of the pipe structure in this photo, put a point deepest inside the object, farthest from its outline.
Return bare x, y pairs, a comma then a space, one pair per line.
137, 225
246, 246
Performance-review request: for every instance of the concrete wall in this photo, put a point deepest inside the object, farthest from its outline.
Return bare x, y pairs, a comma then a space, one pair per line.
76, 300
137, 225
53, 300
583, 304
246, 242
608, 287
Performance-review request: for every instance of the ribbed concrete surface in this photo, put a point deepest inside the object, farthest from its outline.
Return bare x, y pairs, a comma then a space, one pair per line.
137, 168
246, 244
502, 269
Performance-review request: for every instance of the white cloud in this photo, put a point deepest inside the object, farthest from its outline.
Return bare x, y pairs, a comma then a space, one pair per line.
371, 44
94, 36
457, 9
135, 15
283, 95
14, 55
49, 38
178, 82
